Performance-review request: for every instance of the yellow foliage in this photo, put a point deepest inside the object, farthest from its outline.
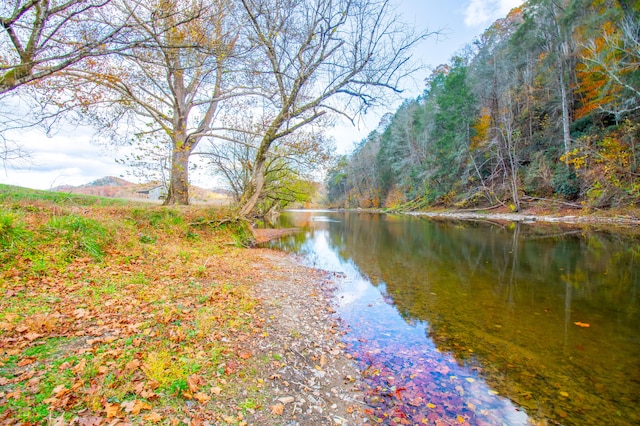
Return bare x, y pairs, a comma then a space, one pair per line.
573, 158
161, 368
481, 127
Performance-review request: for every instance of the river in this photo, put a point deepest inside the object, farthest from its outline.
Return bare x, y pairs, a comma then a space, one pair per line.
474, 323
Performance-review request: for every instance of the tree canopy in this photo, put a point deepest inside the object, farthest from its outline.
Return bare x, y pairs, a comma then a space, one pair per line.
543, 105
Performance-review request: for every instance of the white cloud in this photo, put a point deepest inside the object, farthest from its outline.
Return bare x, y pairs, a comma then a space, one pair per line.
68, 158
480, 13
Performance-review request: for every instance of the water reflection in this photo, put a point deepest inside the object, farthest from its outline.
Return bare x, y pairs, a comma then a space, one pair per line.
452, 314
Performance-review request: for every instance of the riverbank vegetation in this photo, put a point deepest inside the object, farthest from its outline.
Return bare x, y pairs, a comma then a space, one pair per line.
542, 106
131, 312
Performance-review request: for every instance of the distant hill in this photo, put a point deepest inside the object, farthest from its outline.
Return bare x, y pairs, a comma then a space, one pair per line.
115, 187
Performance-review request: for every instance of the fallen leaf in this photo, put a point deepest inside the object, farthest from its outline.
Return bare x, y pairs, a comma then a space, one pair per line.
244, 355
470, 380
582, 324
79, 369
132, 365
430, 405
26, 361
565, 394
59, 421
201, 397
60, 391
14, 395
277, 409
32, 336
461, 419
194, 381
216, 390
64, 366
152, 417
112, 410
286, 399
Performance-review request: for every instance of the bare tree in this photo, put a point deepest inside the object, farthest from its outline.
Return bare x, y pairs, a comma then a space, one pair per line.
616, 56
292, 164
168, 88
319, 56
42, 37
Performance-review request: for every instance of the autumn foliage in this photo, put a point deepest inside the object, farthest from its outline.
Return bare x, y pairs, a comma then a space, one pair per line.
118, 312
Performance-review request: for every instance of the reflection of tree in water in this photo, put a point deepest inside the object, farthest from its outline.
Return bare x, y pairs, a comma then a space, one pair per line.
505, 298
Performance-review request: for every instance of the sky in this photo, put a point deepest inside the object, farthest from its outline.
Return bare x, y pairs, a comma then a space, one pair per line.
69, 158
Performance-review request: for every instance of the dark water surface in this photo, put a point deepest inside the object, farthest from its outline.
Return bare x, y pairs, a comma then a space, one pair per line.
483, 324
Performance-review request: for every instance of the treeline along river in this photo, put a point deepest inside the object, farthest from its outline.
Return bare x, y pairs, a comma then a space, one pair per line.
483, 323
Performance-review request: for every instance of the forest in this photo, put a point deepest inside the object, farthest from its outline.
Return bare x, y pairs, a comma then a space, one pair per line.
543, 106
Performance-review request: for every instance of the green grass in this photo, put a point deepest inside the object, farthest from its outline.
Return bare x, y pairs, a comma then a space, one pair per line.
10, 193
83, 236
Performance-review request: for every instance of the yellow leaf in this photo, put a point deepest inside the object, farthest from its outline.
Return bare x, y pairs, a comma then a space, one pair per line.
461, 419
470, 380
430, 405
565, 394
582, 324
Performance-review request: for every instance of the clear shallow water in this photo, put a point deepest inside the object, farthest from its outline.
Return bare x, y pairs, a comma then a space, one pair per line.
475, 323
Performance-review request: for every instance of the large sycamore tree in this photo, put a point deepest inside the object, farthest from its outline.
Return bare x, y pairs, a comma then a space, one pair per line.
39, 38
314, 57
169, 88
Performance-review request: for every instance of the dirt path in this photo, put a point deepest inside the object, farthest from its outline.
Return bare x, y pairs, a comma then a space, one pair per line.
313, 381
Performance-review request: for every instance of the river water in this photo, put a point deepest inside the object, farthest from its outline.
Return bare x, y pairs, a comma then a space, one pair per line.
473, 323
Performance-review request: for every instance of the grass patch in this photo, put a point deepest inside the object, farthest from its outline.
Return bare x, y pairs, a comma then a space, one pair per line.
113, 311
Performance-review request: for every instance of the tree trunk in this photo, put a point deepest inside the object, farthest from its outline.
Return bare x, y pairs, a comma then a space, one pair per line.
179, 184
566, 133
254, 191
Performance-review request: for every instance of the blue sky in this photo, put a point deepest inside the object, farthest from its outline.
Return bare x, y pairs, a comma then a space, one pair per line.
69, 158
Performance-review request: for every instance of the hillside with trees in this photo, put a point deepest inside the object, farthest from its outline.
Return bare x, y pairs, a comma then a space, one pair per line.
544, 105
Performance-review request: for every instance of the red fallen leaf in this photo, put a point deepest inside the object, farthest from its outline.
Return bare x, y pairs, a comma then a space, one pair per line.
582, 324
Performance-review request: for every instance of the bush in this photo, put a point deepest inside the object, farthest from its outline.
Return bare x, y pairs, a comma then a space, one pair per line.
565, 182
